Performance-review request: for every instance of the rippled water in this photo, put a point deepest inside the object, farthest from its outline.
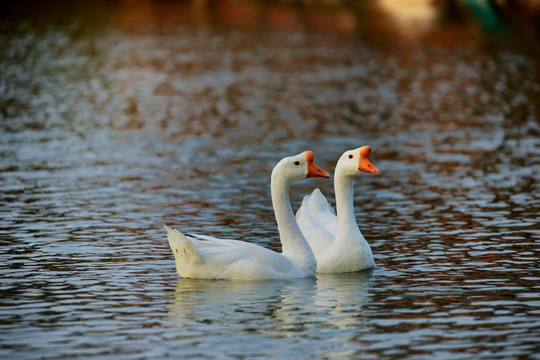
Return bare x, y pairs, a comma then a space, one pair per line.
113, 125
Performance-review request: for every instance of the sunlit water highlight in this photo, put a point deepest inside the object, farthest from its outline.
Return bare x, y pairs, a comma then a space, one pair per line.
109, 133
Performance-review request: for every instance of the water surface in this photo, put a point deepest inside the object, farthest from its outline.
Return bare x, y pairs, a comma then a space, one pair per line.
116, 119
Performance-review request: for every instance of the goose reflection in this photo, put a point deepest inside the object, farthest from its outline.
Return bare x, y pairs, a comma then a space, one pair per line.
342, 296
276, 307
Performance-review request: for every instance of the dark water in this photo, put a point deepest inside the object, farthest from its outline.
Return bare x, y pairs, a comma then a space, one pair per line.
117, 118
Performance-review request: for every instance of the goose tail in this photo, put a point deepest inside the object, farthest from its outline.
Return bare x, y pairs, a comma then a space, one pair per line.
182, 247
316, 202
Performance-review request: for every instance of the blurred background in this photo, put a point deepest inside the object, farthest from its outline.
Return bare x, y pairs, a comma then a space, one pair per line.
137, 64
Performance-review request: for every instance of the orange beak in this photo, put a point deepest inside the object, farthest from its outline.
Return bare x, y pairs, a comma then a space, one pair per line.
314, 170
364, 164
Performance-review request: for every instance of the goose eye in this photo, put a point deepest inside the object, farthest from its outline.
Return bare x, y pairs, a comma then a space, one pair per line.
297, 163
351, 156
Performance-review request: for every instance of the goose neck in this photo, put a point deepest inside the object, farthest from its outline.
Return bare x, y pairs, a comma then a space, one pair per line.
294, 245
344, 189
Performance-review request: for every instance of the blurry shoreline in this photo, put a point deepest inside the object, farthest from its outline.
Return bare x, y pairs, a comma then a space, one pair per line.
510, 24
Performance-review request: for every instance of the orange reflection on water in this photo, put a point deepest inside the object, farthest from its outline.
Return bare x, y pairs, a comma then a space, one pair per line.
412, 17
379, 21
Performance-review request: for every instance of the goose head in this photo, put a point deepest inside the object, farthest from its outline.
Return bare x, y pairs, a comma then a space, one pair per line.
354, 162
298, 167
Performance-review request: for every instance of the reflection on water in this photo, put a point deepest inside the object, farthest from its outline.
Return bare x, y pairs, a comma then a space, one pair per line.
256, 314
118, 117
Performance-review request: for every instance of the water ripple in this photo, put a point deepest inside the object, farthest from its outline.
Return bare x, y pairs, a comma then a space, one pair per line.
110, 131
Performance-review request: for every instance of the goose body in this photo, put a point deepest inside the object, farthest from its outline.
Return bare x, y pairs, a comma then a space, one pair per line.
335, 239
206, 257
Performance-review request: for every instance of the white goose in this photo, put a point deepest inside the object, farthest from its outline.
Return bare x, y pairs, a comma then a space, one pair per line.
336, 241
206, 257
